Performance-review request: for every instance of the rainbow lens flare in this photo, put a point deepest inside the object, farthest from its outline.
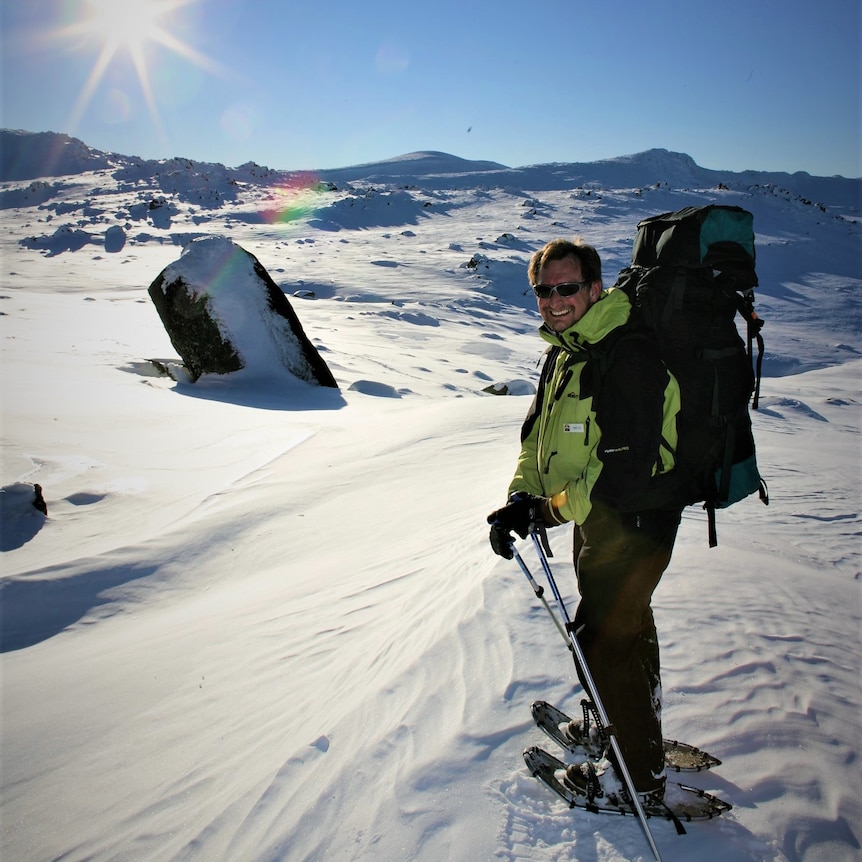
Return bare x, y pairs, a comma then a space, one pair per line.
296, 198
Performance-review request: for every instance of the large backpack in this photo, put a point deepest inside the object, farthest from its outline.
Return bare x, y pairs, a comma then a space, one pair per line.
692, 271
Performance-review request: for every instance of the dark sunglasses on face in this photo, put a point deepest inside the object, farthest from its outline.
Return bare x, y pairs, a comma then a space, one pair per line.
567, 288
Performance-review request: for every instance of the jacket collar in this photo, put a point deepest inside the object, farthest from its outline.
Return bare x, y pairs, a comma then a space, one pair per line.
609, 311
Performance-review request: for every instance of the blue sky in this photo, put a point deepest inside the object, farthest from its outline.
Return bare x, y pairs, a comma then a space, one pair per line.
305, 84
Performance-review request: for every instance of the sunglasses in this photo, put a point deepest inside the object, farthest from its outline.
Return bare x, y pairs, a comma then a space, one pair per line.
567, 288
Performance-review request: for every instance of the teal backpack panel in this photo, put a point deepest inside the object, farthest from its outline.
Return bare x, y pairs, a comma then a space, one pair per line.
727, 225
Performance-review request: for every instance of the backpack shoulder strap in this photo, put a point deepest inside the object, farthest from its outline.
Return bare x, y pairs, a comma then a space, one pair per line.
602, 353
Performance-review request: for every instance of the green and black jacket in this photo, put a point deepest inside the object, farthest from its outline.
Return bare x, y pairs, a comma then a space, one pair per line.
603, 421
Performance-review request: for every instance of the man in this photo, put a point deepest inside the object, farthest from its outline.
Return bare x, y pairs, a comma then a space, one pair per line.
602, 424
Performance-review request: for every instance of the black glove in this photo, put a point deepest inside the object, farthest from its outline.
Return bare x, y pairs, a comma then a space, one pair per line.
501, 542
519, 514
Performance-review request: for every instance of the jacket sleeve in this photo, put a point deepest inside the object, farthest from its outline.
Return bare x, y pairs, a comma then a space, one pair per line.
629, 411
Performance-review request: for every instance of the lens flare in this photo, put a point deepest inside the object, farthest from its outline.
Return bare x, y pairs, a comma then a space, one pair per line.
296, 198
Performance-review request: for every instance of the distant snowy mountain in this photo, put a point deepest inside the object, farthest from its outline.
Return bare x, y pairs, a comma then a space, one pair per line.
28, 155
32, 155
413, 166
658, 166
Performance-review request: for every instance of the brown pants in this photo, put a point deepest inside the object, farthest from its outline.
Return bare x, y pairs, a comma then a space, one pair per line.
619, 560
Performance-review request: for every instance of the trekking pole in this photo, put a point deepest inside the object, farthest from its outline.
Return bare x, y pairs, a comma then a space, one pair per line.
539, 590
593, 694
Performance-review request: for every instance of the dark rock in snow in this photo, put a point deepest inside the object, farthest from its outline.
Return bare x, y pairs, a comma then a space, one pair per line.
38, 500
223, 312
511, 387
22, 514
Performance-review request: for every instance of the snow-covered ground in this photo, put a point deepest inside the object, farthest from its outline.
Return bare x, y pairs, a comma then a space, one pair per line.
261, 620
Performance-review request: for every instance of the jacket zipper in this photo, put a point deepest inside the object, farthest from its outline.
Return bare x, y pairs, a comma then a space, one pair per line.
558, 392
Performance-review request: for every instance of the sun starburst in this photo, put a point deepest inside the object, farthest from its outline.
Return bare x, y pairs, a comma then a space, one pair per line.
133, 27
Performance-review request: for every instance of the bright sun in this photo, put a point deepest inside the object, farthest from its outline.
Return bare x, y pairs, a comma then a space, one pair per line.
132, 27
126, 23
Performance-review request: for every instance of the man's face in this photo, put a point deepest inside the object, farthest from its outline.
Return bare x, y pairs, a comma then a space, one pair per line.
560, 312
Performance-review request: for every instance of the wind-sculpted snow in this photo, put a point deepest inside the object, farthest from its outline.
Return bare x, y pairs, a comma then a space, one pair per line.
35, 194
363, 209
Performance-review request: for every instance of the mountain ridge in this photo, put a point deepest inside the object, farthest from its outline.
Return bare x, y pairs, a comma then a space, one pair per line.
35, 155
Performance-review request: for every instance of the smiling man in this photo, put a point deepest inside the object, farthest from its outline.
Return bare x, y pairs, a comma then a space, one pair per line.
565, 287
602, 424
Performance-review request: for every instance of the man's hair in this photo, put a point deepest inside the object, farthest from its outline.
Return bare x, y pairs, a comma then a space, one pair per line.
558, 249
